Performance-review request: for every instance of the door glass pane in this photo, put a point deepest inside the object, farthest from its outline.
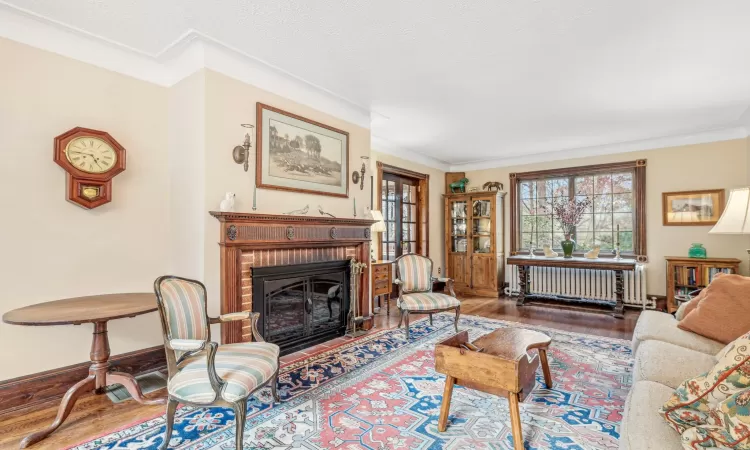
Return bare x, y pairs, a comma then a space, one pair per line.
482, 244
481, 208
406, 193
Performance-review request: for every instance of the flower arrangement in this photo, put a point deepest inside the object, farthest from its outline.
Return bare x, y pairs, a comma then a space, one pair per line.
570, 213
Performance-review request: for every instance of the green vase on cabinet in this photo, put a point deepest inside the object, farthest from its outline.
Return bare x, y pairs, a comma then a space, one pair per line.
568, 245
697, 251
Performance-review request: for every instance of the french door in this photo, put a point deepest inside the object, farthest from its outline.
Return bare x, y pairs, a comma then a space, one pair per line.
399, 205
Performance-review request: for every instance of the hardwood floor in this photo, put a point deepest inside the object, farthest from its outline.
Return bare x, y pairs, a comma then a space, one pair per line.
95, 415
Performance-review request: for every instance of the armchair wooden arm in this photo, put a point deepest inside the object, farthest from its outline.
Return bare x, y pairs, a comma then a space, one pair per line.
242, 315
448, 282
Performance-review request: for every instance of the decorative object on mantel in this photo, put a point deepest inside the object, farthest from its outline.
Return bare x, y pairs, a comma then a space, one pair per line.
91, 159
355, 206
359, 177
488, 186
241, 153
548, 252
594, 252
227, 205
323, 213
459, 186
298, 212
697, 251
735, 219
570, 214
300, 155
692, 207
255, 198
97, 310
355, 319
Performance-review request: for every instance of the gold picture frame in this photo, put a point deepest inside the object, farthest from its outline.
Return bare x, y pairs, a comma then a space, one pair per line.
692, 208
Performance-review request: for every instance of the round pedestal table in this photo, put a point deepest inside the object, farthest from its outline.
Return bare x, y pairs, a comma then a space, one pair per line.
97, 310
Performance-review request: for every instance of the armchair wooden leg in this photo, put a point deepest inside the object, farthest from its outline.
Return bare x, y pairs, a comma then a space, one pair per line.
240, 413
171, 409
275, 387
430, 319
406, 319
401, 318
458, 314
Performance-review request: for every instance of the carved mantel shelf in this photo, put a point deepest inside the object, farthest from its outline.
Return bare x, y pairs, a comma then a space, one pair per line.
248, 240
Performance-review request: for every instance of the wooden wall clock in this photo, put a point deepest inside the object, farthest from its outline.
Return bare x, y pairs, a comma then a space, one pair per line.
91, 158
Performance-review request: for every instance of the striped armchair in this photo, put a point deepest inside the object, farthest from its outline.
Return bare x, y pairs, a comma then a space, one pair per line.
201, 372
414, 280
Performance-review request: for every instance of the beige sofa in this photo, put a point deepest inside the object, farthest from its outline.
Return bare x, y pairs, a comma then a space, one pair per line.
665, 356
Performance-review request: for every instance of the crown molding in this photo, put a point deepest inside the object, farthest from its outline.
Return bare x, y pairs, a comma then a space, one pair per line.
702, 137
190, 52
380, 145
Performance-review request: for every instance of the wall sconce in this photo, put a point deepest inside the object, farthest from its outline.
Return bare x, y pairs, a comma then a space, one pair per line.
241, 153
359, 177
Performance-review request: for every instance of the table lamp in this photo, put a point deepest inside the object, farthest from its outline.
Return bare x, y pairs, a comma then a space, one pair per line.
736, 216
377, 227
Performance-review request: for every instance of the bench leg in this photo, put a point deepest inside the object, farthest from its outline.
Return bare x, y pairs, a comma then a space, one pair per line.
445, 406
430, 319
515, 421
545, 368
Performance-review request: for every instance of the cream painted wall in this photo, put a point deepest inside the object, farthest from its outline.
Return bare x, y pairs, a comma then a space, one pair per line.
187, 156
692, 167
437, 188
229, 103
54, 249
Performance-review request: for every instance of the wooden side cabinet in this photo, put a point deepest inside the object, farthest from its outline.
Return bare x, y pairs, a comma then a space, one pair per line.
382, 282
474, 242
685, 275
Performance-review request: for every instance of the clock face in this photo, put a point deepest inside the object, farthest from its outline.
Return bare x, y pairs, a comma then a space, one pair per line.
91, 154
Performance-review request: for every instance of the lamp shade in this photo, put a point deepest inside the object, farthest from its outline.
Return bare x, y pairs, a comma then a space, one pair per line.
379, 226
736, 216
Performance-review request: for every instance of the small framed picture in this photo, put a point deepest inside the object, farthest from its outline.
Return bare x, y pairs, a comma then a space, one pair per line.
692, 208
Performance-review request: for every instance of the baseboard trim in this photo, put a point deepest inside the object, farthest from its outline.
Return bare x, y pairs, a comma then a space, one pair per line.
39, 389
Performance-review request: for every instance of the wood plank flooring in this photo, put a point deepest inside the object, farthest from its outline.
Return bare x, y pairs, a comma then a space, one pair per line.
94, 415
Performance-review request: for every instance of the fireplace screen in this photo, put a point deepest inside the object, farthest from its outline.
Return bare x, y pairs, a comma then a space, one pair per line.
301, 305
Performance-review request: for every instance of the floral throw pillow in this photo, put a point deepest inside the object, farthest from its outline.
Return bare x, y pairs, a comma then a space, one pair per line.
696, 401
728, 426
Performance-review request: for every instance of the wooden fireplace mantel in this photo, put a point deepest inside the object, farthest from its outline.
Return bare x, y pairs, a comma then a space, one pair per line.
248, 240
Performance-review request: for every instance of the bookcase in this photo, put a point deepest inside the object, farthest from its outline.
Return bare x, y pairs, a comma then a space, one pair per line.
685, 275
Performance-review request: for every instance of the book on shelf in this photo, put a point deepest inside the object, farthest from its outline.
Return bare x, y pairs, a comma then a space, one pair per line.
690, 278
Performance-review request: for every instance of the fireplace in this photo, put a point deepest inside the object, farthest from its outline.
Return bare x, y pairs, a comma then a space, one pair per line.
301, 305
264, 245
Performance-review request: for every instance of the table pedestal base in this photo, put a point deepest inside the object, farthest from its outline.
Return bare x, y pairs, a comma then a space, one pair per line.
99, 378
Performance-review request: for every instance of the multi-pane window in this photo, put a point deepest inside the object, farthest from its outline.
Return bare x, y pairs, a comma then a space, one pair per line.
612, 205
399, 208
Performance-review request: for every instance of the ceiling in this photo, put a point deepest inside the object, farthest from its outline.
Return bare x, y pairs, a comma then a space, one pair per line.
467, 81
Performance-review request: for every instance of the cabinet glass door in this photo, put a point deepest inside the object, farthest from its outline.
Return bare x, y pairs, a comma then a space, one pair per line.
458, 226
481, 228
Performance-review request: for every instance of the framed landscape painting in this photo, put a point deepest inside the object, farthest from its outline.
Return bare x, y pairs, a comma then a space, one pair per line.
300, 155
692, 207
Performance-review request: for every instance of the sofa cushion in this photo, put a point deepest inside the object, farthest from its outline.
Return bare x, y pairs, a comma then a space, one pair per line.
727, 426
641, 427
696, 400
659, 326
724, 312
669, 364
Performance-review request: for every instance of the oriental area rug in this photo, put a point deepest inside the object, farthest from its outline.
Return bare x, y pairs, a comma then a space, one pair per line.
382, 392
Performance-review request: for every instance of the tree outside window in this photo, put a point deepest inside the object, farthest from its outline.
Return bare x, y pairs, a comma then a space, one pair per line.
612, 204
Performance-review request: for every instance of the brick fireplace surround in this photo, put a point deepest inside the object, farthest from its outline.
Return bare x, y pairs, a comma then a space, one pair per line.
262, 240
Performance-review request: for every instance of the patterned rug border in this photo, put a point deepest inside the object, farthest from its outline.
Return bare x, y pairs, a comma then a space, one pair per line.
332, 384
